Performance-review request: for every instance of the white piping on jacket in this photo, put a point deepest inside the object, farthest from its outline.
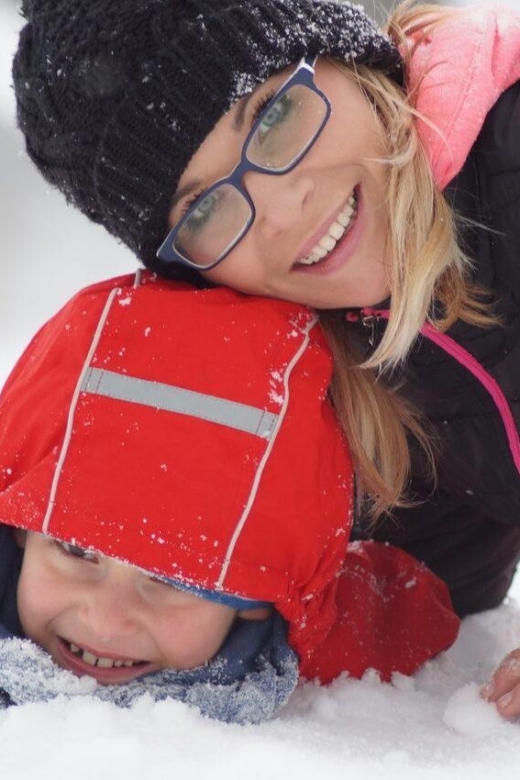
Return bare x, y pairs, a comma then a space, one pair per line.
72, 409
219, 585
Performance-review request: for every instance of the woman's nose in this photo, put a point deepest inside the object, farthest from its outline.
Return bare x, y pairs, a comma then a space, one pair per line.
279, 200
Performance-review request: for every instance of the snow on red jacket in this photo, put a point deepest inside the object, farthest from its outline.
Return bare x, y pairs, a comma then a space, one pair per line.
188, 432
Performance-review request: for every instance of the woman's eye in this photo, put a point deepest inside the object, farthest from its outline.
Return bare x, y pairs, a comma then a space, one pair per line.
276, 115
203, 213
76, 552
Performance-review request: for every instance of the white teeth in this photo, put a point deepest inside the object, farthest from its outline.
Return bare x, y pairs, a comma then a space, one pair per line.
328, 242
105, 663
336, 230
93, 660
344, 217
320, 252
89, 658
334, 234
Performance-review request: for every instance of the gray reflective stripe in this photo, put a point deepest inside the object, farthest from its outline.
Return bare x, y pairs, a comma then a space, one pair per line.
176, 399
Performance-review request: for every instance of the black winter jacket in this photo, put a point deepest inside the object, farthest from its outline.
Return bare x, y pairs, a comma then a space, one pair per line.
468, 530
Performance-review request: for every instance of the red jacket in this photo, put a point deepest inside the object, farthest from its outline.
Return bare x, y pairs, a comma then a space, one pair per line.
189, 433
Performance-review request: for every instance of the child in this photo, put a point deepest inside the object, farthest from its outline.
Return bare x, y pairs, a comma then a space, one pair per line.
289, 148
181, 497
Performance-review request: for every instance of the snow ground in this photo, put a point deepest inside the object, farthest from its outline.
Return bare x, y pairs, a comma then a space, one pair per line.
431, 727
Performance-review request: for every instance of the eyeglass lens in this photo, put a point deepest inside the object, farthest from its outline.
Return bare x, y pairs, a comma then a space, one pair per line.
283, 134
213, 225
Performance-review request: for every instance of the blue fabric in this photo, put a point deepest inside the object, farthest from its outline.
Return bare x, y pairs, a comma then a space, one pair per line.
219, 597
10, 563
248, 681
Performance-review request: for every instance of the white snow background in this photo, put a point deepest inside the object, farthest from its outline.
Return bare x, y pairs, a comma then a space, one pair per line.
430, 727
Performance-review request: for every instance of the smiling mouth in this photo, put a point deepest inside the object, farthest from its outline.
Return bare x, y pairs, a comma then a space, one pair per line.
99, 661
335, 233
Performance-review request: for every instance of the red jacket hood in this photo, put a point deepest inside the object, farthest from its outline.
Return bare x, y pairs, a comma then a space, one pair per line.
187, 432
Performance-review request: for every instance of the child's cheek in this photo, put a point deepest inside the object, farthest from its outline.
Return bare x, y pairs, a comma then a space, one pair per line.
38, 600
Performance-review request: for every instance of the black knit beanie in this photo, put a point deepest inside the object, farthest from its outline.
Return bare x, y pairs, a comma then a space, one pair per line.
115, 96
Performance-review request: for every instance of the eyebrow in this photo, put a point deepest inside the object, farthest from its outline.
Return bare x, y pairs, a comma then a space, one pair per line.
238, 122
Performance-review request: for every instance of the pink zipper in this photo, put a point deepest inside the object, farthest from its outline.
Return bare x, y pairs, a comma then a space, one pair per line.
467, 360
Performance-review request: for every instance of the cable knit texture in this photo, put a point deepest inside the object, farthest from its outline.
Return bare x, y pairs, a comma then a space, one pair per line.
115, 96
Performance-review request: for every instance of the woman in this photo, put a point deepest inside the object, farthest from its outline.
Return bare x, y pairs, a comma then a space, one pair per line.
376, 182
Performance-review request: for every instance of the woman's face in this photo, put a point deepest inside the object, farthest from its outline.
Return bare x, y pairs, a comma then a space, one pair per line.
340, 181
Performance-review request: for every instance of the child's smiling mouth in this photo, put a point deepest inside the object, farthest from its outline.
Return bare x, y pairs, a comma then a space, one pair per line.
103, 662
105, 669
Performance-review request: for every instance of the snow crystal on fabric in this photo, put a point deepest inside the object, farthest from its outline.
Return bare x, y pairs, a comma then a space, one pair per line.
240, 685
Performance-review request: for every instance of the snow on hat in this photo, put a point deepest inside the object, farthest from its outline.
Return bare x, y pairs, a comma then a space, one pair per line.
187, 432
115, 96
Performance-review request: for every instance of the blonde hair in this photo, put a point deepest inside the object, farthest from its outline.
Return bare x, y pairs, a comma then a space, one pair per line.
427, 264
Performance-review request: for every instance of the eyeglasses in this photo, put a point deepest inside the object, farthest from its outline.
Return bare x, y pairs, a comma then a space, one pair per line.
281, 136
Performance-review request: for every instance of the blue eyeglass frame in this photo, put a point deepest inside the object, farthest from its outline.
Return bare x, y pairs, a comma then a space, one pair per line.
304, 74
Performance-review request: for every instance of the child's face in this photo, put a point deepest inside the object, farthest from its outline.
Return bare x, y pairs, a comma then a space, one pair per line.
110, 620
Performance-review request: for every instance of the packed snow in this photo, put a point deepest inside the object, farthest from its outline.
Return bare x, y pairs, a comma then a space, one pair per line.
430, 727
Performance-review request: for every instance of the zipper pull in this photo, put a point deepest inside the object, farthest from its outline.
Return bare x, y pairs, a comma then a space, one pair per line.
369, 322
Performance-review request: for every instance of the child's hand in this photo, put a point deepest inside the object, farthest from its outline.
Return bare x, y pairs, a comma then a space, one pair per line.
504, 687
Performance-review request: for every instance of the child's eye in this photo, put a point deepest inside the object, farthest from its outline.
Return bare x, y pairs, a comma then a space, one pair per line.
76, 552
158, 580
169, 588
180, 594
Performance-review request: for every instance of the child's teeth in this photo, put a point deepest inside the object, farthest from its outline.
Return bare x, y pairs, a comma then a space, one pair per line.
89, 658
105, 663
93, 660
